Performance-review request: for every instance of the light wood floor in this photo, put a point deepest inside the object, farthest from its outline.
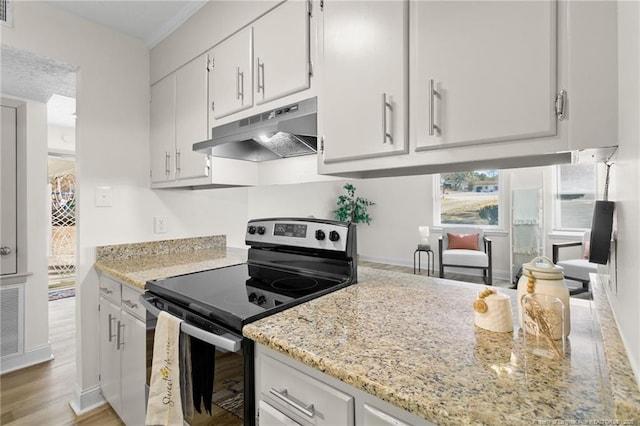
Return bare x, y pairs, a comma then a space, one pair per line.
40, 395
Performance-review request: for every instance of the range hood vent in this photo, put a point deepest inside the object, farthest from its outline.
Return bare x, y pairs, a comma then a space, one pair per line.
289, 131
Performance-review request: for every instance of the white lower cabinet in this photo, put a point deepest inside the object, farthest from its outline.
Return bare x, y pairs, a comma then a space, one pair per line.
291, 393
122, 350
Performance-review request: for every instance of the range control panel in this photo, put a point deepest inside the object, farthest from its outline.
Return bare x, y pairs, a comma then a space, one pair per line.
298, 232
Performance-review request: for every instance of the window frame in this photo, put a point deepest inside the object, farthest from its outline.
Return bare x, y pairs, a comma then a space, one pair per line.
501, 205
556, 210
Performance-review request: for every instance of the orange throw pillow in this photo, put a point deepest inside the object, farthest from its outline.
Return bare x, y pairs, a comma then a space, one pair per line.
462, 241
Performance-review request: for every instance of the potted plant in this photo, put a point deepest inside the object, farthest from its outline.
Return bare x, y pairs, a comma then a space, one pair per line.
352, 208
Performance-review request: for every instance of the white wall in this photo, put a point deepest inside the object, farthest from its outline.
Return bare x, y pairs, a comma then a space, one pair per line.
61, 140
112, 135
625, 294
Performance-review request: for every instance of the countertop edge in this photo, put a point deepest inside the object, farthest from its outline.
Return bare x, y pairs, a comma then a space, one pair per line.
625, 390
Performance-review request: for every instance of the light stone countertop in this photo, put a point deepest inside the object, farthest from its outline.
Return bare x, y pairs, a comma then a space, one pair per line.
137, 263
411, 341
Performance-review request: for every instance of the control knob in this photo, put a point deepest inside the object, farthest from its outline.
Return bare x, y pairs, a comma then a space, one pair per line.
261, 300
320, 235
253, 297
261, 230
252, 229
334, 236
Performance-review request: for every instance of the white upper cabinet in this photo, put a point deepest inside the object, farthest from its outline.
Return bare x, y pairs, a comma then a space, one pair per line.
231, 77
281, 51
485, 71
191, 118
363, 105
163, 130
179, 118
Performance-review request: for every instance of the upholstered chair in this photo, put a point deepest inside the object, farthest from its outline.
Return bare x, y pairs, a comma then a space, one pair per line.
465, 248
576, 269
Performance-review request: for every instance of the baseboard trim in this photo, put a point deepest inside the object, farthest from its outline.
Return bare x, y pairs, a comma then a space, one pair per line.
85, 400
503, 275
31, 357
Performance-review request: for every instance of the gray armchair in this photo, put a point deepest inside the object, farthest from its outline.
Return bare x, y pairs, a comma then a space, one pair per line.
476, 256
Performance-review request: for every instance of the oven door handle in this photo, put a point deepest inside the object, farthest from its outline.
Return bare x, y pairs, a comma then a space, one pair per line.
225, 341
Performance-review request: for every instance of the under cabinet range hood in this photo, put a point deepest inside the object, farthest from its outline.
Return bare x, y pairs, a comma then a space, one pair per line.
287, 131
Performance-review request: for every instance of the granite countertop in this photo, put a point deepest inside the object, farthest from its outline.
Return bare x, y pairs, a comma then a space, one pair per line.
137, 263
411, 341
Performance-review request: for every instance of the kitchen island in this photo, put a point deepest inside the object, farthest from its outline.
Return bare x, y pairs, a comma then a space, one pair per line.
411, 341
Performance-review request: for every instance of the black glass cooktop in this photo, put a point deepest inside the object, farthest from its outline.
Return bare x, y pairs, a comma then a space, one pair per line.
228, 295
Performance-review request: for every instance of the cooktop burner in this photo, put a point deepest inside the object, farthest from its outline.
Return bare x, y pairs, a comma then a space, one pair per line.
241, 293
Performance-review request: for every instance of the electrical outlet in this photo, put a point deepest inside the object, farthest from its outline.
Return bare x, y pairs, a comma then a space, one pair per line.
104, 196
160, 224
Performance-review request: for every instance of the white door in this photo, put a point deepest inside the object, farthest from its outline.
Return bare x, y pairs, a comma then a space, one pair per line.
133, 369
231, 78
163, 130
8, 194
493, 69
110, 362
192, 114
281, 51
363, 107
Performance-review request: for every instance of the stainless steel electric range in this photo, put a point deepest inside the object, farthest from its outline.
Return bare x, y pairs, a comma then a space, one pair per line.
290, 261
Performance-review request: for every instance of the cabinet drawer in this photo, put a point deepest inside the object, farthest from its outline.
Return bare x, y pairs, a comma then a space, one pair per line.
293, 391
131, 304
110, 289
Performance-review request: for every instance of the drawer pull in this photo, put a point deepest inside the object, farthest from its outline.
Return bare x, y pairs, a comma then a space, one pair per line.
284, 396
106, 290
130, 304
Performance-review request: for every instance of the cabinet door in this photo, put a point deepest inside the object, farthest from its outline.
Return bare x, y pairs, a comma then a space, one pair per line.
363, 107
281, 51
372, 416
231, 78
269, 416
492, 66
191, 118
133, 347
109, 354
163, 130
8, 224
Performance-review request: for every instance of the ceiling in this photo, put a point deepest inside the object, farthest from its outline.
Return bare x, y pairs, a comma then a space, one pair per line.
147, 20
29, 76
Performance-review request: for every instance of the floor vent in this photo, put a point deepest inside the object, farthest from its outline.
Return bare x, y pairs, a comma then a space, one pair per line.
11, 302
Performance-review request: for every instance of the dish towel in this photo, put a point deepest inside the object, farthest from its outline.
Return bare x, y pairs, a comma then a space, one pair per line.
165, 401
203, 367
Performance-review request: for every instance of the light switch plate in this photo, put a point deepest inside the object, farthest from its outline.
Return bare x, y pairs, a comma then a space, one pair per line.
104, 196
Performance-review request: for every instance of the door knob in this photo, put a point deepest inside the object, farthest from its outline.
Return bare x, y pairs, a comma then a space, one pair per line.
5, 251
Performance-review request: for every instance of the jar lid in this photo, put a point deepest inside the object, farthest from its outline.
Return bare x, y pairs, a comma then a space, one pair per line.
543, 268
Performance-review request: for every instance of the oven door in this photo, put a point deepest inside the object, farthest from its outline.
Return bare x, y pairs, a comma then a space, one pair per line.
233, 388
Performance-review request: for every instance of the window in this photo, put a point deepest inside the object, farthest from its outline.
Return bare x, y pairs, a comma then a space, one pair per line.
469, 198
575, 196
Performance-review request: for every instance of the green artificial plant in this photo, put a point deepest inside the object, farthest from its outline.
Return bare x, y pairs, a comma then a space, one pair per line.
352, 208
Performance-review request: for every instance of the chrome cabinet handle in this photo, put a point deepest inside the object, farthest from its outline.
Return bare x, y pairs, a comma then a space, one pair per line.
106, 290
386, 105
5, 251
111, 335
283, 395
167, 163
178, 161
130, 304
119, 343
241, 94
237, 83
432, 94
260, 77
